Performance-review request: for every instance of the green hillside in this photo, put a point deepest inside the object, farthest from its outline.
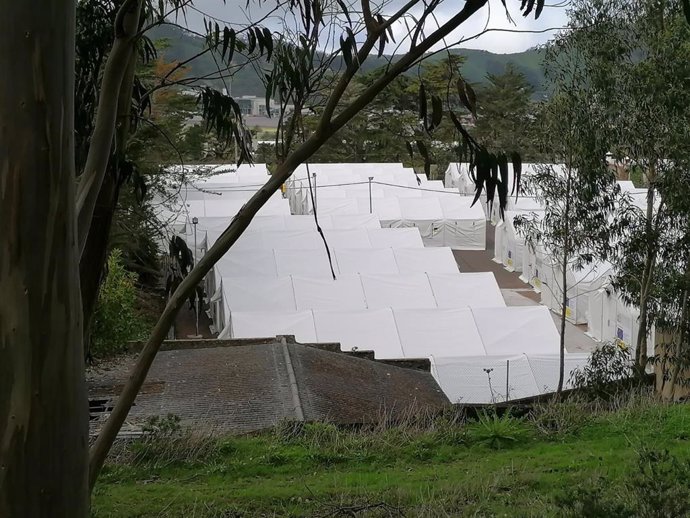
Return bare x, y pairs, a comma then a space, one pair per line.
560, 461
182, 45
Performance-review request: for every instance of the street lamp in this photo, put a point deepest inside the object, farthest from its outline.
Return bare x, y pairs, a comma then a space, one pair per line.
195, 220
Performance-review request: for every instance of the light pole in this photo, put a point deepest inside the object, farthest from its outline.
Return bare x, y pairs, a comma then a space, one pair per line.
370, 207
314, 177
195, 220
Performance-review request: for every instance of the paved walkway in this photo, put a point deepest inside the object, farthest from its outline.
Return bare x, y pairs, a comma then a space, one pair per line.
517, 293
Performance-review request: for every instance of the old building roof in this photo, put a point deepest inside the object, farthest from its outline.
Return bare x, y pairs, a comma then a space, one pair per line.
239, 386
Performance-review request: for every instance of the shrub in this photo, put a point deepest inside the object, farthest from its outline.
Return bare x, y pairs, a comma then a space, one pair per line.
115, 320
601, 377
164, 442
497, 431
555, 417
657, 489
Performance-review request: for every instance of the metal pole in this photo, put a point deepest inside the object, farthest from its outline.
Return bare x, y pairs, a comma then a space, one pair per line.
196, 306
370, 207
314, 177
507, 380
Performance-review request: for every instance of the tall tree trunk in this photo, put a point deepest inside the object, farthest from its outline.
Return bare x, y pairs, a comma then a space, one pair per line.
95, 253
645, 286
43, 404
564, 281
564, 308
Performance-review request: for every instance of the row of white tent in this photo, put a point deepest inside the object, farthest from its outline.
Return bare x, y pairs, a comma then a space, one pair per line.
472, 357
591, 299
358, 291
392, 295
395, 195
410, 332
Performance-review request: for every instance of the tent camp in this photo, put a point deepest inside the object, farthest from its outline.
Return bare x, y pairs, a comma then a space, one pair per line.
580, 283
498, 378
457, 290
429, 332
509, 245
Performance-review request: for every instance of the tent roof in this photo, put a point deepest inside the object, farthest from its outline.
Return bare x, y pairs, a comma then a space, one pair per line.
237, 263
429, 332
260, 324
322, 293
513, 330
457, 290
429, 260
398, 291
258, 293
420, 209
307, 263
364, 329
395, 238
482, 379
373, 260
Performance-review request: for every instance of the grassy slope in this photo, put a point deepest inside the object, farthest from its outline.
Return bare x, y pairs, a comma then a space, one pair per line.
438, 473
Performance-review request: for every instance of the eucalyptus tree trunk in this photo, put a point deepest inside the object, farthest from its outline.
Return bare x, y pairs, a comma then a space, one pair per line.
564, 281
95, 254
646, 283
43, 404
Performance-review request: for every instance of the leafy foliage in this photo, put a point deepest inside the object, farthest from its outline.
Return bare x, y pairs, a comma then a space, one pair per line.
116, 320
606, 366
496, 431
656, 489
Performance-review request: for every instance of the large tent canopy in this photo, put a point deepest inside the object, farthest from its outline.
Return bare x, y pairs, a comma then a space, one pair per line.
498, 378
396, 196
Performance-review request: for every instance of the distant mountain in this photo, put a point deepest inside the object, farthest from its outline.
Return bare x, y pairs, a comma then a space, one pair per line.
181, 45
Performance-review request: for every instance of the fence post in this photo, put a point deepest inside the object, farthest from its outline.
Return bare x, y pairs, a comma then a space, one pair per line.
507, 380
370, 207
315, 190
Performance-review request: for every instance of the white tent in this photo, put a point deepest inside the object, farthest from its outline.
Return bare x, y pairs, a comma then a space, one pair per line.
580, 283
612, 320
359, 221
351, 238
536, 268
498, 378
484, 379
239, 263
345, 293
374, 261
306, 263
424, 214
457, 176
464, 226
545, 369
429, 260
430, 332
398, 291
457, 290
337, 207
395, 238
372, 330
387, 210
258, 293
509, 245
264, 324
516, 330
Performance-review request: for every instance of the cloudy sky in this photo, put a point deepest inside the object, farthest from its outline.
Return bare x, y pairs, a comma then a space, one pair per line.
234, 11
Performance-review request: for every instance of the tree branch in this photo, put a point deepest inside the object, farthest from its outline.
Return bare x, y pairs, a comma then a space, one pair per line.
240, 223
126, 23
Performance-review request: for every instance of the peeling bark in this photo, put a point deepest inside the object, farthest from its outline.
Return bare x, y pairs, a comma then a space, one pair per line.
43, 403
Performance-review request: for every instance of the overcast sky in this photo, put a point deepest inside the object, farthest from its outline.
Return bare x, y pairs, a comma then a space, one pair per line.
501, 42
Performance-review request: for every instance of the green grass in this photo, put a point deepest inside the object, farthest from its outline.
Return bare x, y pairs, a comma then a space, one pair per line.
443, 470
